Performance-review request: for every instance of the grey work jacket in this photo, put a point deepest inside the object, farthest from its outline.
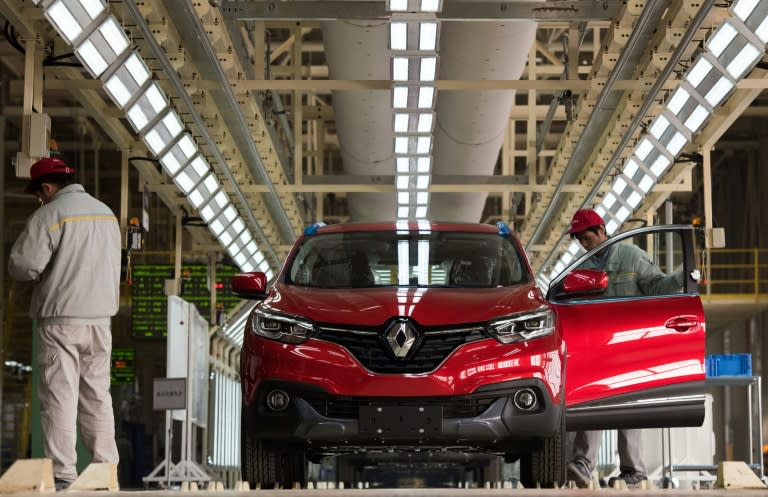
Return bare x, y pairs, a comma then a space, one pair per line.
70, 247
631, 272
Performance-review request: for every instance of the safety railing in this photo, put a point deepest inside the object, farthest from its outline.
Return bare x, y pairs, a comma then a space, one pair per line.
735, 273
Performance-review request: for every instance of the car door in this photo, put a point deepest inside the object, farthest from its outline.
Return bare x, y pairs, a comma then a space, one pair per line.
634, 329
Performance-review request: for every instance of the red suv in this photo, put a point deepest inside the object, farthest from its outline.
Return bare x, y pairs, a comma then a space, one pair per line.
418, 336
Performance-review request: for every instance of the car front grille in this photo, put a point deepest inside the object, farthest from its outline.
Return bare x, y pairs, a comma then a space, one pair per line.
370, 347
348, 408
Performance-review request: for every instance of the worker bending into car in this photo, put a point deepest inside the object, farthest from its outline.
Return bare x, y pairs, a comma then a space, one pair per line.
630, 272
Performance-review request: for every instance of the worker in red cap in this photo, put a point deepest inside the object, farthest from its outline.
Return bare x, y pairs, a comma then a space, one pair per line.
70, 248
630, 272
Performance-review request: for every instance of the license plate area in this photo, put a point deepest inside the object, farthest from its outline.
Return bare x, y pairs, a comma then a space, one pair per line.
400, 421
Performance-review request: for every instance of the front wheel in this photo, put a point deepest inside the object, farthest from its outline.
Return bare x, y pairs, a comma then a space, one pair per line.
272, 464
546, 464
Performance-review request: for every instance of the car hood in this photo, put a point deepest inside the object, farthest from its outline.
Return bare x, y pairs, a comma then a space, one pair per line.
427, 306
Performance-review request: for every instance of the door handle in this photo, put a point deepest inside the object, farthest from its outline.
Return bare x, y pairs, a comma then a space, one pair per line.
683, 323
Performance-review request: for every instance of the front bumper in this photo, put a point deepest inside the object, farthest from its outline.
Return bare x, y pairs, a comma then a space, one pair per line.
486, 418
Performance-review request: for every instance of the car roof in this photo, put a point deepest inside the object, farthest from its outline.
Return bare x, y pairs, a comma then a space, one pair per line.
408, 225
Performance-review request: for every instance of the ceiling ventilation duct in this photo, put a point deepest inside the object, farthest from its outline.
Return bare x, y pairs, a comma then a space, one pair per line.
470, 124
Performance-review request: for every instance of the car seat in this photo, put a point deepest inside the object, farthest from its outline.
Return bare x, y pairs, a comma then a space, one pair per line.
470, 271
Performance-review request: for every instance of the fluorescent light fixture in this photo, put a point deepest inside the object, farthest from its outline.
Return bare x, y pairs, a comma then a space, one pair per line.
712, 84
191, 174
401, 145
721, 38
575, 247
634, 199
619, 185
126, 81
643, 148
402, 212
401, 182
600, 211
163, 133
660, 165
422, 182
428, 69
422, 198
719, 91
645, 184
677, 100
398, 36
247, 267
630, 167
428, 36
676, 143
398, 5
622, 214
423, 164
754, 15
401, 123
402, 164
611, 227
424, 145
102, 47
733, 49
181, 152
697, 118
399, 68
147, 107
425, 123
426, 96
72, 17
609, 200
403, 198
184, 181
659, 126
430, 5
421, 212
203, 192
400, 97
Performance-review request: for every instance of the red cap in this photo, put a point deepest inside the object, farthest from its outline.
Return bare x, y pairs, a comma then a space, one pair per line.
43, 167
584, 219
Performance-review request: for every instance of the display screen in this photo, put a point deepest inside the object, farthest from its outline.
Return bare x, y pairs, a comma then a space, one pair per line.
149, 302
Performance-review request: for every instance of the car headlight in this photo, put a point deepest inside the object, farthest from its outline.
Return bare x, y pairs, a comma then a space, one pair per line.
523, 326
280, 327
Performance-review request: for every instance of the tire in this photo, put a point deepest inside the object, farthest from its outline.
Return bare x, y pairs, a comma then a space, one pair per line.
272, 464
545, 465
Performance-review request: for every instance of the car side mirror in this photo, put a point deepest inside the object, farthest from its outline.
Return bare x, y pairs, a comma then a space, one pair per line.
250, 285
584, 281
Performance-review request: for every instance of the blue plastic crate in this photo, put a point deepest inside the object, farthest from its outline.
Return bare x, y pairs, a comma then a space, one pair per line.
729, 365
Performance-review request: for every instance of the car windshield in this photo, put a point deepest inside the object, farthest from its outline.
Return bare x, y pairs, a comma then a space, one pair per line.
389, 258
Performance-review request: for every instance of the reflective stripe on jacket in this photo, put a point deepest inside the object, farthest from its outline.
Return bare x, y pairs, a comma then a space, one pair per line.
71, 248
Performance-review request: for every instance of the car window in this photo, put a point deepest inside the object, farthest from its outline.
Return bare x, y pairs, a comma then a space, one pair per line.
434, 259
647, 264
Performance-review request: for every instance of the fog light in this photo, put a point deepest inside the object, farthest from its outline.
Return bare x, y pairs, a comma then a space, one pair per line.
525, 399
277, 400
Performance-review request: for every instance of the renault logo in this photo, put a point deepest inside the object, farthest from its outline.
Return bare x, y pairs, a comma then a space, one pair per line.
401, 336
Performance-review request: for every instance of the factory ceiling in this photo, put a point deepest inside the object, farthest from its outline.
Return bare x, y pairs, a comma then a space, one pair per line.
536, 106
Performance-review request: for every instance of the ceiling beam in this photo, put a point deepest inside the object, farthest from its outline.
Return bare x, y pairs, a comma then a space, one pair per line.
453, 10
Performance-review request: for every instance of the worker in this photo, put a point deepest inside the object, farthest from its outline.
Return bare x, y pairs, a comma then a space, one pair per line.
70, 249
630, 272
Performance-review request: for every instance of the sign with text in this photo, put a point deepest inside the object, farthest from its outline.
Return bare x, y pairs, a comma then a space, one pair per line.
169, 393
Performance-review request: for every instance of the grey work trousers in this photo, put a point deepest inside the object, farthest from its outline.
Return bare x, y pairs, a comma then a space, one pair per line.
74, 362
587, 443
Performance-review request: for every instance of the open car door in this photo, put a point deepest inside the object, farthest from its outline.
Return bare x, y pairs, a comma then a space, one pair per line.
634, 331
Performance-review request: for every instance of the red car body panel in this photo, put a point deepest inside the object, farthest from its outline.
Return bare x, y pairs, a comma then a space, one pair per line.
618, 347
331, 367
